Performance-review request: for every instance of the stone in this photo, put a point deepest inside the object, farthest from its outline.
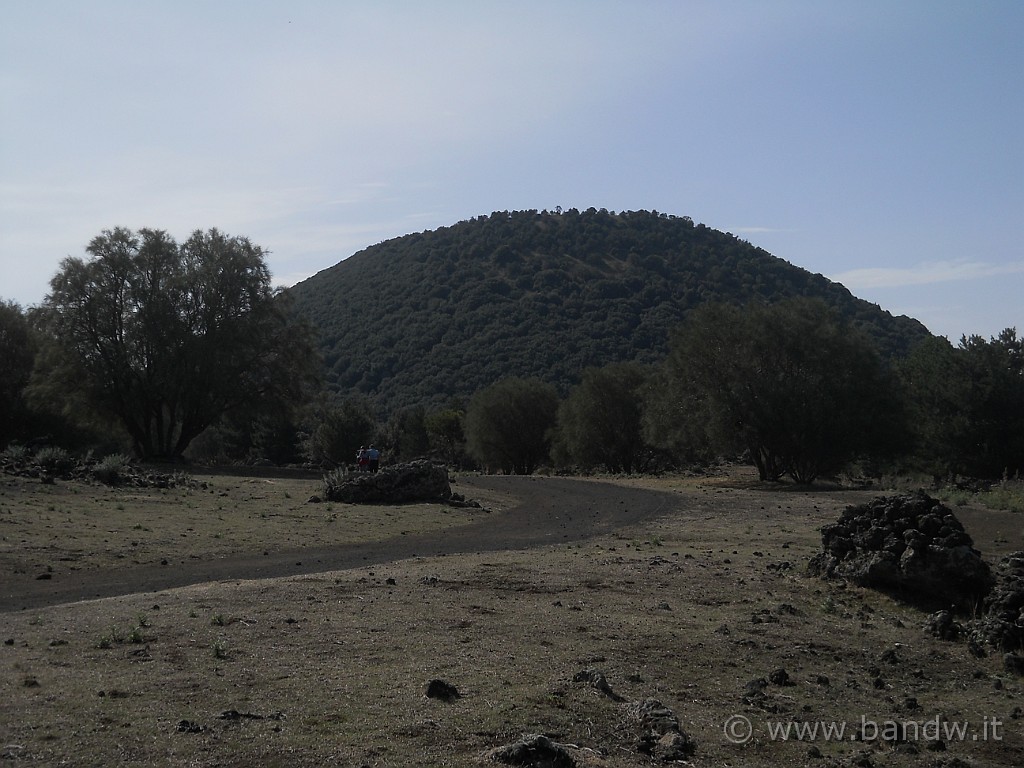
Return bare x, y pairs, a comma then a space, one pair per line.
909, 545
1001, 623
416, 481
533, 751
440, 689
657, 730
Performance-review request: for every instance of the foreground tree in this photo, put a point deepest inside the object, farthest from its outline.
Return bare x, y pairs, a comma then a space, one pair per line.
508, 424
797, 389
168, 338
600, 423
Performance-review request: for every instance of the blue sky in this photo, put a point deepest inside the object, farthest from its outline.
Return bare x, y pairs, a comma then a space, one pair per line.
878, 143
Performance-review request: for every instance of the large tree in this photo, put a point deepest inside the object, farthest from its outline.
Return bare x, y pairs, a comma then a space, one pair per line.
789, 382
168, 338
508, 424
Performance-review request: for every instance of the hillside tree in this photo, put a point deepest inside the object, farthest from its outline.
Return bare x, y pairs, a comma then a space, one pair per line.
169, 338
508, 424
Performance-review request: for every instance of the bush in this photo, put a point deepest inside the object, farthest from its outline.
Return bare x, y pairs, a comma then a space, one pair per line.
54, 459
14, 453
333, 481
112, 469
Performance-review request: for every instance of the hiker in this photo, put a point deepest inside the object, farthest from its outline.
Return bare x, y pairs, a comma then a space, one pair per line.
373, 455
362, 459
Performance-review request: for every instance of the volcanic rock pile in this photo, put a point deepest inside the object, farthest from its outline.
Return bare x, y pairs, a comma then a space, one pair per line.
910, 545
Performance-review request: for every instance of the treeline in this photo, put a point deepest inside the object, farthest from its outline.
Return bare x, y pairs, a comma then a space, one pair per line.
175, 351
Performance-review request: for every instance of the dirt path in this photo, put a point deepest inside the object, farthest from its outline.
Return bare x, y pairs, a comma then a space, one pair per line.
548, 511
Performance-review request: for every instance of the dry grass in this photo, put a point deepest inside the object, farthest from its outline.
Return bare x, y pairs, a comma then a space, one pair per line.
331, 669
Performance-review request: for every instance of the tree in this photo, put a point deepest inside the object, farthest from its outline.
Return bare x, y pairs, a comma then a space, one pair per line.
600, 423
340, 430
168, 338
444, 428
17, 353
967, 404
800, 391
508, 424
405, 434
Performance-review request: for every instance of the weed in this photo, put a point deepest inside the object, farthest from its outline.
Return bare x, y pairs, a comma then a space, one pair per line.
113, 469
220, 648
218, 620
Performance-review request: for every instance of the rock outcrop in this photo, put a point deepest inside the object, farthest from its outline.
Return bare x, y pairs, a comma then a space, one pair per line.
416, 481
1001, 624
911, 545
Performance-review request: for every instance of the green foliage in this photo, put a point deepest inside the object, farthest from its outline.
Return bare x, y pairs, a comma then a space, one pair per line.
789, 383
967, 404
405, 435
112, 469
600, 423
508, 424
168, 338
17, 353
420, 319
54, 459
338, 432
446, 434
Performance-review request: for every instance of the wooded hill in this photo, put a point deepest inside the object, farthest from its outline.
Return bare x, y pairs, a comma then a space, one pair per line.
424, 318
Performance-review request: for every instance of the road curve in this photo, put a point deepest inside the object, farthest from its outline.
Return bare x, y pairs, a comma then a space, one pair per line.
547, 510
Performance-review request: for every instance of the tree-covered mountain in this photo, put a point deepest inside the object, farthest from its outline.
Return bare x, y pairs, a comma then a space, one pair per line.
427, 317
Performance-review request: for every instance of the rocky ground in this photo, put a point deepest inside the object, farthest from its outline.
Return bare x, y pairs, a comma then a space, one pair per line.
589, 624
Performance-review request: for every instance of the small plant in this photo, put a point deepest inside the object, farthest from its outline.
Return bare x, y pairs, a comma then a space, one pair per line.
54, 459
333, 481
14, 453
828, 605
220, 648
113, 469
218, 620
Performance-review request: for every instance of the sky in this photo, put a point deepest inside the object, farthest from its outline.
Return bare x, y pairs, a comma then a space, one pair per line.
877, 142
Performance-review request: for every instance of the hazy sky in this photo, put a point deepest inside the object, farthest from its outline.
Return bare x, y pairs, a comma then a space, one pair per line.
878, 143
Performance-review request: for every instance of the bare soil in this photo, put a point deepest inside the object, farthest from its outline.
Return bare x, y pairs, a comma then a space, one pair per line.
305, 635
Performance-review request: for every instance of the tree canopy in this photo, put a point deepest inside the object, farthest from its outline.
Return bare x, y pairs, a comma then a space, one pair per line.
789, 383
168, 338
508, 424
423, 318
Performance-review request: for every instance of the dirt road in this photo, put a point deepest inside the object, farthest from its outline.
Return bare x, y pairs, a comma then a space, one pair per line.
547, 511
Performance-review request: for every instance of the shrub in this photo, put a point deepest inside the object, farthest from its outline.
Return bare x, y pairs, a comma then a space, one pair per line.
112, 469
333, 481
54, 459
15, 453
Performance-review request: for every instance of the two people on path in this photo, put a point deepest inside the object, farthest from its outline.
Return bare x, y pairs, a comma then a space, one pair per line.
367, 459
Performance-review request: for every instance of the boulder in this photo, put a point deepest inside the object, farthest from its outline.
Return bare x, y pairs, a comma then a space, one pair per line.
533, 751
1001, 623
911, 545
416, 481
